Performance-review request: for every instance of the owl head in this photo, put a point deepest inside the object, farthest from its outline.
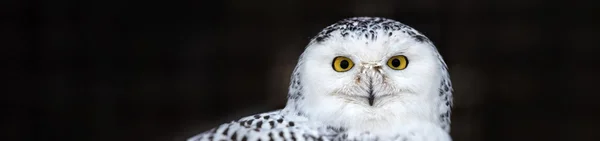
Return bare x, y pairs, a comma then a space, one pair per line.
371, 73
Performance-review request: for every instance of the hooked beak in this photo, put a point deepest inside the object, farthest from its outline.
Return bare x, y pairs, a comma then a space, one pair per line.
371, 97
370, 67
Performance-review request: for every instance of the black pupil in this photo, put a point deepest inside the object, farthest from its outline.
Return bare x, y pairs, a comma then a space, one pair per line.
344, 64
396, 63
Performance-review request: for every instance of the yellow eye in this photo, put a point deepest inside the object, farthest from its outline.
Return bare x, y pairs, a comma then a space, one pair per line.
398, 62
342, 64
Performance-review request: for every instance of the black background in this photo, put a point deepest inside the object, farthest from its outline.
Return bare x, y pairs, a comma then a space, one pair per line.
100, 70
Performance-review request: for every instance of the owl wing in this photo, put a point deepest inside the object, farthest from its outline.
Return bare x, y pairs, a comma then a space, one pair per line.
271, 126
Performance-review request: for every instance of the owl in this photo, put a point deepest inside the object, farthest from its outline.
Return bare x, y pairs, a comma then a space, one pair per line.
359, 79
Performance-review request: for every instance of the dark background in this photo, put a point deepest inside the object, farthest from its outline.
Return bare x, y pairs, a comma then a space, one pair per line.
100, 70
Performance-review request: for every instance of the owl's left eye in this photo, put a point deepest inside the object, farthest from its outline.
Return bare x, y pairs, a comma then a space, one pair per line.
398, 62
342, 64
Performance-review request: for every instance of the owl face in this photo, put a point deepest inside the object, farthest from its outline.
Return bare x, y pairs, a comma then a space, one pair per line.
370, 72
369, 75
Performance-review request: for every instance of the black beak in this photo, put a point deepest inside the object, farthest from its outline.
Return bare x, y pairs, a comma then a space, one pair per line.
371, 95
371, 98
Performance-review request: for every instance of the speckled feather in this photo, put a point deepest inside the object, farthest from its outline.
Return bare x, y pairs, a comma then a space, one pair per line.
294, 124
271, 126
367, 27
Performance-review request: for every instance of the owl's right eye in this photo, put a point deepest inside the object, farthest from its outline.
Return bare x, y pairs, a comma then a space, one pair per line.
342, 64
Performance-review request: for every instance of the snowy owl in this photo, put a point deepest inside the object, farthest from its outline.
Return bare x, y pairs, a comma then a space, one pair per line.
360, 79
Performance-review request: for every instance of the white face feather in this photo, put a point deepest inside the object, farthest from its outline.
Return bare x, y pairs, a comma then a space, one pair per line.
341, 99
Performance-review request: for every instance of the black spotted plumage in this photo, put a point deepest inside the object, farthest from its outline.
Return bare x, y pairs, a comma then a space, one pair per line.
253, 128
367, 27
